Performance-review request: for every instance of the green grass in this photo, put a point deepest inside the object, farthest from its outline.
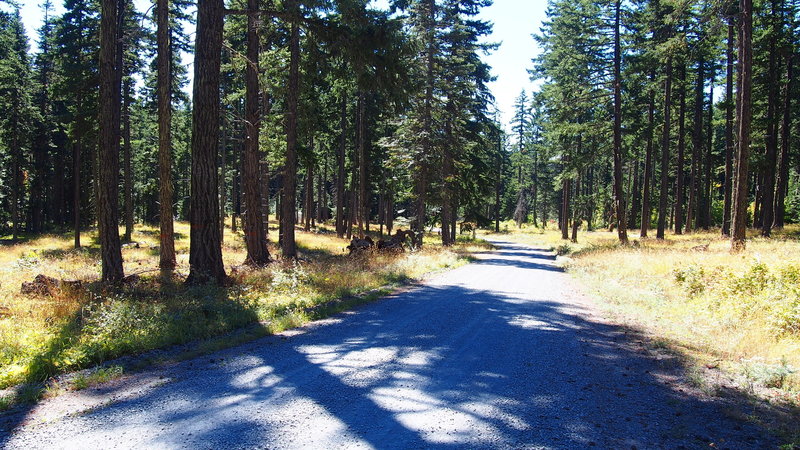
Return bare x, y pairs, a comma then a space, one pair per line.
742, 310
44, 336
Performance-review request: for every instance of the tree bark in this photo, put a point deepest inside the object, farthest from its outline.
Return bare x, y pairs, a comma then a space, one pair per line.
739, 221
76, 190
255, 236
619, 194
363, 207
128, 177
664, 194
205, 251
340, 169
706, 210
697, 144
770, 161
679, 189
729, 143
289, 212
783, 167
165, 190
109, 134
648, 164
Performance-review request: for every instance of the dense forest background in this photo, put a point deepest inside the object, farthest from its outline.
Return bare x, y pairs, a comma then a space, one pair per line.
319, 111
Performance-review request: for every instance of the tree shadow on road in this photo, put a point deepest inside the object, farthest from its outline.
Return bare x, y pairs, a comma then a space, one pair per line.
438, 366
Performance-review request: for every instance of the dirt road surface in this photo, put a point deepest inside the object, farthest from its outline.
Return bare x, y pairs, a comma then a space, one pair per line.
501, 353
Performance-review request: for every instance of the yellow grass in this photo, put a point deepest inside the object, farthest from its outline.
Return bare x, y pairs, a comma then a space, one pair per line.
742, 310
41, 336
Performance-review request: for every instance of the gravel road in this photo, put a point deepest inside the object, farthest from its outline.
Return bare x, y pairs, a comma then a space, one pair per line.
501, 353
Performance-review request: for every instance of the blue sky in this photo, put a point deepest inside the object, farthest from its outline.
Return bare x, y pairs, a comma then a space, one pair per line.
514, 23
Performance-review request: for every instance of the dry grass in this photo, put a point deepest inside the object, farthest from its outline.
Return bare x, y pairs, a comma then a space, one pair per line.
741, 311
41, 336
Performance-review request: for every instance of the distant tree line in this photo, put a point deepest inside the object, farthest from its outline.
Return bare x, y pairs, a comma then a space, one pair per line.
312, 110
660, 115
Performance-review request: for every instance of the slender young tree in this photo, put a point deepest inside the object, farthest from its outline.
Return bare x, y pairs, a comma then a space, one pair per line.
619, 196
665, 144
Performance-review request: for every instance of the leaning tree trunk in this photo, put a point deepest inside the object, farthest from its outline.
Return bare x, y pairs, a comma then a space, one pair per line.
205, 249
255, 237
289, 212
664, 194
165, 190
109, 134
739, 221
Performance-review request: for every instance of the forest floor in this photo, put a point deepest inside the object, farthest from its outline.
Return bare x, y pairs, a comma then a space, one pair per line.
68, 328
734, 318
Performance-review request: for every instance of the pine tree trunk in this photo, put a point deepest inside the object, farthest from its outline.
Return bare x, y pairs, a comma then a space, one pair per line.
363, 213
697, 143
205, 251
255, 236
565, 197
128, 177
768, 195
165, 190
679, 189
108, 149
648, 164
289, 213
729, 143
340, 173
664, 191
739, 221
447, 189
76, 189
16, 180
786, 126
308, 200
619, 195
576, 219
706, 211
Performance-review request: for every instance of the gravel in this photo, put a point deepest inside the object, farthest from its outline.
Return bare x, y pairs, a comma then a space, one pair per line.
502, 353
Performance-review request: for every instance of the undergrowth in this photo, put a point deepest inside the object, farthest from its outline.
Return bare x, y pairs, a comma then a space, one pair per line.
41, 336
742, 310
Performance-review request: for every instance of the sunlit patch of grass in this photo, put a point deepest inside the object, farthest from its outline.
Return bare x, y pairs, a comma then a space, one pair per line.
691, 290
95, 377
42, 336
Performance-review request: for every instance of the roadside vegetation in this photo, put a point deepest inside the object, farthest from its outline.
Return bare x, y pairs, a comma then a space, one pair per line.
736, 312
73, 327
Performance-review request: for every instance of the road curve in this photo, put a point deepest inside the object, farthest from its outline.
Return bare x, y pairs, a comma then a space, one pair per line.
500, 353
